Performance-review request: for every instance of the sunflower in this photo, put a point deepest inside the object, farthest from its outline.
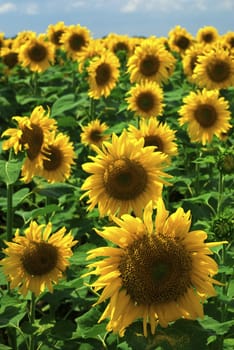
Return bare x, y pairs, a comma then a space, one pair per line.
75, 39
54, 33
155, 134
9, 57
22, 38
207, 115
207, 35
215, 69
146, 99
124, 176
103, 74
37, 54
160, 271
190, 59
93, 133
2, 40
228, 40
31, 134
117, 42
150, 61
179, 39
58, 157
38, 259
95, 48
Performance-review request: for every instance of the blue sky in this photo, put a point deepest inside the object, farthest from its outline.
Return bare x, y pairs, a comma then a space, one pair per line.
131, 17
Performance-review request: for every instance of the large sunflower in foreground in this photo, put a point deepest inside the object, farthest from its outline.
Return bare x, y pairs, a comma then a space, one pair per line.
125, 176
146, 99
151, 61
207, 115
103, 74
94, 133
160, 270
37, 54
215, 69
155, 134
58, 158
38, 259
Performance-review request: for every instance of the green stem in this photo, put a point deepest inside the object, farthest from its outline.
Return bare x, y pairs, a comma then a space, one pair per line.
31, 320
220, 192
92, 109
9, 211
197, 172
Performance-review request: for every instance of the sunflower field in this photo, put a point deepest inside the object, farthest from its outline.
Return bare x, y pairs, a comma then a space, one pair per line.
116, 190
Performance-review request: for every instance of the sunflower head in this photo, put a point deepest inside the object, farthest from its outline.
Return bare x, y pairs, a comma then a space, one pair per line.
37, 54
207, 115
31, 133
207, 35
74, 39
157, 270
150, 62
124, 176
94, 133
155, 134
38, 258
58, 158
55, 32
146, 99
103, 74
179, 39
9, 57
215, 68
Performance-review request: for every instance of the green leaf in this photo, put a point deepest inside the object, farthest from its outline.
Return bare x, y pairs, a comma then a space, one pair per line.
19, 196
10, 170
88, 326
54, 190
12, 315
219, 328
63, 329
63, 104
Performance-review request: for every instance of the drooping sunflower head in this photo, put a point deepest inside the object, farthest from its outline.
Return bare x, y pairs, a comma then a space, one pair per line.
94, 133
124, 176
31, 133
155, 134
179, 39
207, 35
38, 259
54, 33
159, 271
58, 158
37, 54
95, 48
207, 115
215, 69
146, 99
150, 62
103, 74
75, 39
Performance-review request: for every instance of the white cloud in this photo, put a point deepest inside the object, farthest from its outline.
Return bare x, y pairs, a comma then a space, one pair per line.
131, 6
7, 7
31, 8
168, 6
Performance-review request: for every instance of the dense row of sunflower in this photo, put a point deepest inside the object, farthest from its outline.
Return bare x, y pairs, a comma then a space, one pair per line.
139, 107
